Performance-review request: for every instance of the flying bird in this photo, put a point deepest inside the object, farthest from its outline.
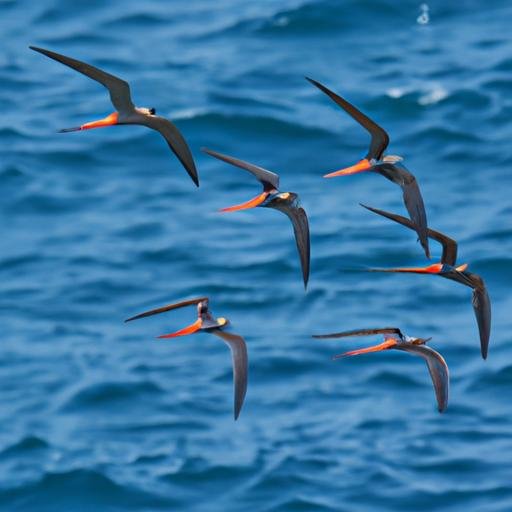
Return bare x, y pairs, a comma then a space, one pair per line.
388, 166
449, 269
271, 197
126, 112
207, 323
394, 339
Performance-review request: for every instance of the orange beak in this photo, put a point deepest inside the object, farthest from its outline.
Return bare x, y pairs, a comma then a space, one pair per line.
249, 204
186, 330
106, 121
377, 348
361, 166
431, 269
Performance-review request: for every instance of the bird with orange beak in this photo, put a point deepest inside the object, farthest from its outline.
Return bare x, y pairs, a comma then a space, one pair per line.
207, 323
272, 197
388, 166
394, 339
126, 112
449, 269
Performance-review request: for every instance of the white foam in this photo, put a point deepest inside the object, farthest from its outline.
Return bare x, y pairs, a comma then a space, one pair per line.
435, 95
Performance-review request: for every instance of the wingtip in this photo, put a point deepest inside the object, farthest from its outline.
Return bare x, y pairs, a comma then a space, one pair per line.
208, 151
312, 80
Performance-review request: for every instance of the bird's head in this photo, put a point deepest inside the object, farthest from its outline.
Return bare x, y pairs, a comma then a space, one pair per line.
418, 341
280, 198
366, 164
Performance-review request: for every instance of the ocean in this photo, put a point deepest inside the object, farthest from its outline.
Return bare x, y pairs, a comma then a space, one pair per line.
98, 415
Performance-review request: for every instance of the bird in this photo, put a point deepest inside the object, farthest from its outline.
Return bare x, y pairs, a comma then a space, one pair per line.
271, 197
126, 112
207, 323
388, 166
394, 339
448, 268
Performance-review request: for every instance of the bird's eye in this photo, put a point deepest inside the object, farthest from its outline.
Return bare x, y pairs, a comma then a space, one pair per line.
152, 111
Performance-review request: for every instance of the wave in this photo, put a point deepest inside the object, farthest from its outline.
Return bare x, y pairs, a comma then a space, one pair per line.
80, 489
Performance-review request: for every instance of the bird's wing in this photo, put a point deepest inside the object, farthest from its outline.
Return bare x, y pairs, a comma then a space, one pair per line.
119, 89
362, 332
175, 141
449, 255
163, 309
437, 368
411, 195
379, 137
269, 179
299, 219
482, 307
240, 365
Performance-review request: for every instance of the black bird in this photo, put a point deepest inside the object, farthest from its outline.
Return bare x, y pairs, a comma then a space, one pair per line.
394, 339
126, 111
271, 197
448, 268
207, 323
388, 166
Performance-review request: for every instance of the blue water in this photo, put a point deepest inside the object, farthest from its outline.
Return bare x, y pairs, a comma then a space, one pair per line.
96, 226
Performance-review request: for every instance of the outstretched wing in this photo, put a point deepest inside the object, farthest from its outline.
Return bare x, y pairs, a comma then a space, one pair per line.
379, 137
482, 308
437, 368
240, 365
175, 141
299, 219
119, 89
169, 307
362, 332
270, 180
449, 256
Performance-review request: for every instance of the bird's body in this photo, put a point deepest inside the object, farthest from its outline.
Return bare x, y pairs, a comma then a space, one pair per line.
126, 112
449, 269
388, 166
271, 197
394, 339
217, 326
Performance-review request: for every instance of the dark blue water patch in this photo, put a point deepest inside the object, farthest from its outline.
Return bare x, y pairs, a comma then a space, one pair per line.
442, 136
245, 125
302, 504
25, 447
141, 20
86, 489
503, 65
113, 395
79, 40
242, 101
313, 19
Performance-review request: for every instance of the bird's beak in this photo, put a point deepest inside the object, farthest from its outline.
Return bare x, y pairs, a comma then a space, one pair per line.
376, 348
106, 121
431, 269
196, 326
249, 204
361, 166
